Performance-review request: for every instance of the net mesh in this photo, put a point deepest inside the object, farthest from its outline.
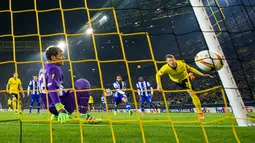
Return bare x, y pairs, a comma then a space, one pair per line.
232, 31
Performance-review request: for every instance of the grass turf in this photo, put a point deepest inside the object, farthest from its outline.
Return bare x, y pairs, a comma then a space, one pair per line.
14, 131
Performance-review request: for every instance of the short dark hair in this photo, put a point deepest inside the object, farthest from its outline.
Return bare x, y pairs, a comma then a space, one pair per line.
51, 51
169, 56
118, 75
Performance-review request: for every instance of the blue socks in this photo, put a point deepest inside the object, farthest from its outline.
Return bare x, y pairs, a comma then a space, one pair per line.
127, 106
115, 108
31, 106
142, 107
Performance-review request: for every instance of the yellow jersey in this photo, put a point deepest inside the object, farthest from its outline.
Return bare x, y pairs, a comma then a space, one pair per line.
91, 99
177, 74
9, 101
14, 85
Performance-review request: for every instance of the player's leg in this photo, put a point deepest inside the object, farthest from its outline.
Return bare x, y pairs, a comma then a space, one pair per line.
116, 103
142, 104
149, 101
14, 104
83, 97
49, 105
197, 103
14, 101
37, 99
9, 107
32, 100
104, 106
195, 99
124, 99
68, 99
89, 106
19, 102
93, 108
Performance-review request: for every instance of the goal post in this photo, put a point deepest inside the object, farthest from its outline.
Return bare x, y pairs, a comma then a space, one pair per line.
225, 73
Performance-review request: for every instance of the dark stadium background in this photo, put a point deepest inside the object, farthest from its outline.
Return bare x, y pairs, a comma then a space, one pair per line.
172, 27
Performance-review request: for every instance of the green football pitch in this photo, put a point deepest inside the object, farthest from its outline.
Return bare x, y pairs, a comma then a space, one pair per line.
14, 131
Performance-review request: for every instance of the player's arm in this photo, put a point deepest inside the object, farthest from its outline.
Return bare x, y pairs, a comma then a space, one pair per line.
8, 85
53, 85
28, 88
124, 87
117, 88
161, 72
138, 89
108, 92
21, 89
195, 71
149, 85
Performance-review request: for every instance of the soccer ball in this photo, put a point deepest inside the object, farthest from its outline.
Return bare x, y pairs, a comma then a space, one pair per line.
209, 61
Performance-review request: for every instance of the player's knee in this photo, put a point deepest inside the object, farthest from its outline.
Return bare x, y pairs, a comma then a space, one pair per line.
124, 99
82, 84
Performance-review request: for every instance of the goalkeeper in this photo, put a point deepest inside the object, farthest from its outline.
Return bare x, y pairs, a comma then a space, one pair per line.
62, 102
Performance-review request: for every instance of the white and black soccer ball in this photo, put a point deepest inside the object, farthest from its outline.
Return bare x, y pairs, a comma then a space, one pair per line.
209, 61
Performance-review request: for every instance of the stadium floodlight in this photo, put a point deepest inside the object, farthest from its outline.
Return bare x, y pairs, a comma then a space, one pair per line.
104, 18
61, 45
89, 31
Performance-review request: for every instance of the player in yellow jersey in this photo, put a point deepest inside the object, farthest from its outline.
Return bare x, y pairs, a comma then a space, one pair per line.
177, 71
9, 104
91, 103
12, 88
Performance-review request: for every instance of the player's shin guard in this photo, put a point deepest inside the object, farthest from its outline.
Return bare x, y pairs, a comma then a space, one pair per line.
142, 107
30, 109
82, 96
197, 103
38, 107
127, 105
14, 105
31, 106
115, 107
153, 106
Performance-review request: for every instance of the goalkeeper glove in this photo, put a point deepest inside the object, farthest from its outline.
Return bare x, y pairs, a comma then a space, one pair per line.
62, 116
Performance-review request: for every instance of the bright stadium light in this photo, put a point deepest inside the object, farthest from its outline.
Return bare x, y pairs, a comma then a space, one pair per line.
104, 18
89, 31
61, 45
